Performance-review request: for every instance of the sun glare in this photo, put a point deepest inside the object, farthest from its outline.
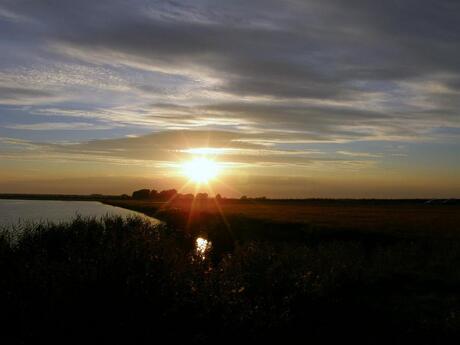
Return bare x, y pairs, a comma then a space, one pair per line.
201, 170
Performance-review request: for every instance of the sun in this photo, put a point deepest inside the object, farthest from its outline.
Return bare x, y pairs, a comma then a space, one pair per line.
201, 169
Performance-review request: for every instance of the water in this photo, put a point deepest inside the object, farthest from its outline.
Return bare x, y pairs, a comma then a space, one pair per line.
22, 212
202, 247
14, 212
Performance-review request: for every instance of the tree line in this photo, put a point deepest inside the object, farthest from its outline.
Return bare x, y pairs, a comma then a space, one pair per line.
168, 194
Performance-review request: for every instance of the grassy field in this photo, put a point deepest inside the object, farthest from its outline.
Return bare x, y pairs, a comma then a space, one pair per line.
362, 215
387, 275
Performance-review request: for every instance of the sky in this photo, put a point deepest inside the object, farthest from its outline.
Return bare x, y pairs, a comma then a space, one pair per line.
293, 99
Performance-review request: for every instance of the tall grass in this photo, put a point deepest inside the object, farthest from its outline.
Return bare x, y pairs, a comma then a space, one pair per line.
126, 281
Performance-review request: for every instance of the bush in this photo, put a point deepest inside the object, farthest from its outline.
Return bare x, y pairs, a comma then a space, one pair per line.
141, 194
126, 281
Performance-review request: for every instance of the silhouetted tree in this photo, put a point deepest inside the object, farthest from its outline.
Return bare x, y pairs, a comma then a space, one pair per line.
187, 197
218, 197
167, 194
141, 194
153, 194
202, 196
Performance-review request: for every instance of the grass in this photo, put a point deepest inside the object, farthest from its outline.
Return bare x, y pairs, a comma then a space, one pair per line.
366, 215
126, 281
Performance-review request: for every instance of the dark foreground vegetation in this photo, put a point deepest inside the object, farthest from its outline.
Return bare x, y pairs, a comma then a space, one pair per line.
126, 281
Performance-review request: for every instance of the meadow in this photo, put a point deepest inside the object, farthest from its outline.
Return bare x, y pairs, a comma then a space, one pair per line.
380, 216
265, 278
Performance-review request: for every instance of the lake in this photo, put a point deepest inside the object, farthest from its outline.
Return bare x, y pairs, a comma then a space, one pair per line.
14, 212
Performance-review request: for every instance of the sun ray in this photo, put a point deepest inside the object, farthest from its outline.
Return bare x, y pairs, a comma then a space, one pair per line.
221, 212
192, 207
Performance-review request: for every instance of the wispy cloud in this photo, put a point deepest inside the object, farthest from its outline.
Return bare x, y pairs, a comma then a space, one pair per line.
53, 126
279, 65
266, 83
177, 146
360, 154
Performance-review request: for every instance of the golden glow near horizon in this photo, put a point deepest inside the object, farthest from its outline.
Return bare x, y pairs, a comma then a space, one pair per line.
201, 169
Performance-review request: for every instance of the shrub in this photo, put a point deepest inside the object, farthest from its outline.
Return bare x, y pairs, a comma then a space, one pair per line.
121, 281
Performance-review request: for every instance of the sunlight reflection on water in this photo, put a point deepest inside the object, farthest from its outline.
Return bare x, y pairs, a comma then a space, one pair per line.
202, 246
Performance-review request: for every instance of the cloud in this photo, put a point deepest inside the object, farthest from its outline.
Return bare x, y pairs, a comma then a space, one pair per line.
53, 126
18, 95
359, 154
260, 73
8, 15
173, 147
